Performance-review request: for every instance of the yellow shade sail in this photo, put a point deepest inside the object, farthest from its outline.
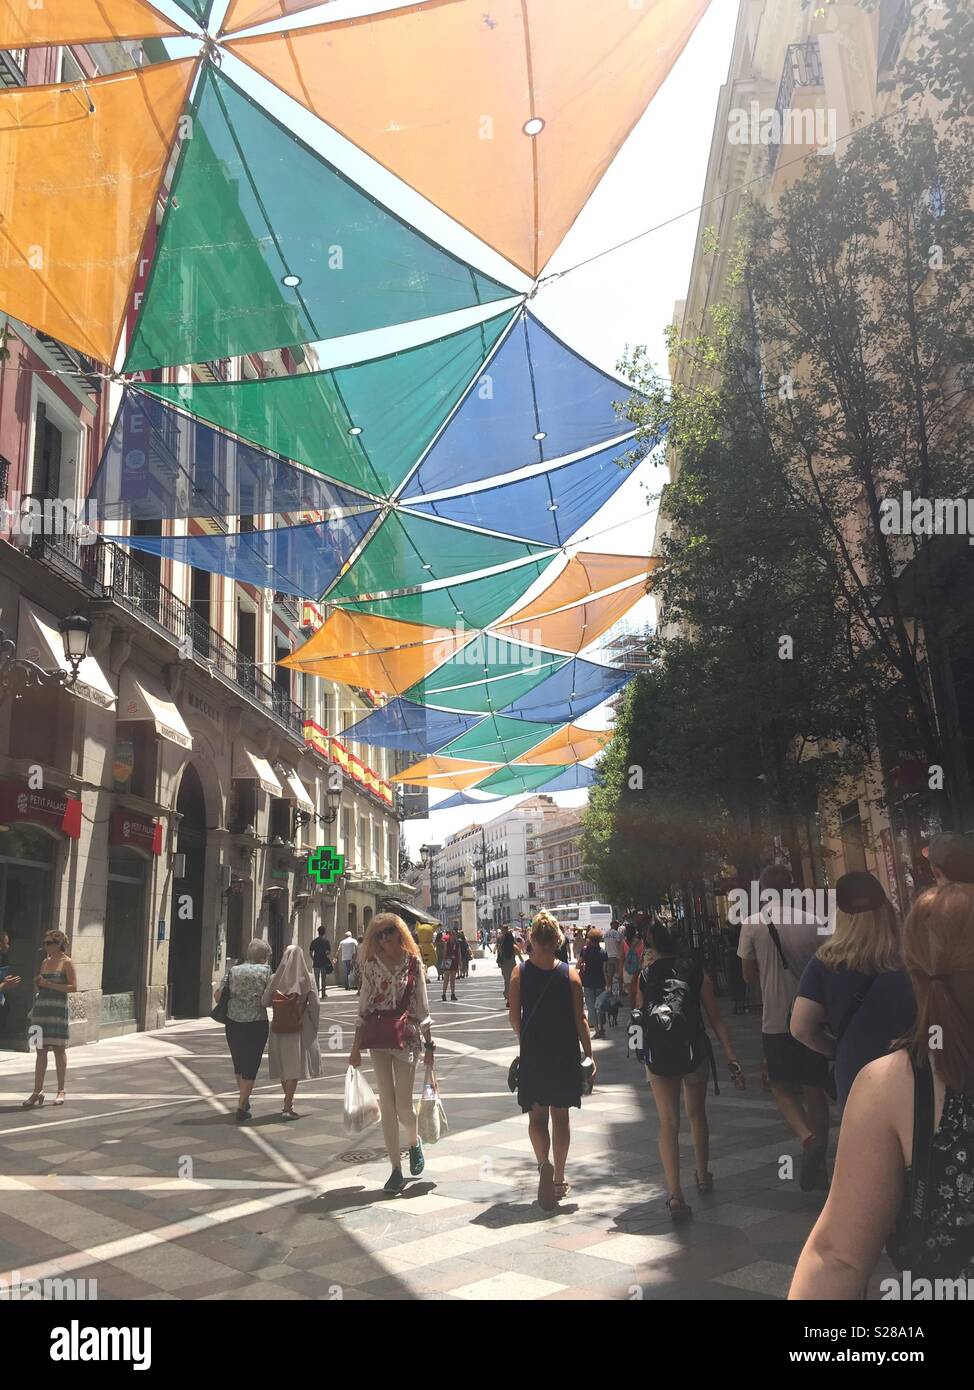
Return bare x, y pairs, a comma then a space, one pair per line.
244, 13
569, 745
505, 115
451, 774
373, 652
572, 629
27, 23
80, 168
585, 573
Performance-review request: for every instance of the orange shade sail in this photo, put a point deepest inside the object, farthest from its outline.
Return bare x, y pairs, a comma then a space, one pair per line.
505, 115
569, 745
77, 190
572, 629
373, 652
451, 774
242, 14
25, 23
586, 573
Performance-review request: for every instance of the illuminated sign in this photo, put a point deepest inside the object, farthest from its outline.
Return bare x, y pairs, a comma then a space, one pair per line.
325, 864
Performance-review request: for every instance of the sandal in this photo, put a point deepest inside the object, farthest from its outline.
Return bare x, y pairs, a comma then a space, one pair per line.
678, 1209
60, 1098
36, 1099
562, 1190
705, 1183
547, 1198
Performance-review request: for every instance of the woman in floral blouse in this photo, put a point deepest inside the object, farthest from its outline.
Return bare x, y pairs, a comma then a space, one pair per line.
394, 981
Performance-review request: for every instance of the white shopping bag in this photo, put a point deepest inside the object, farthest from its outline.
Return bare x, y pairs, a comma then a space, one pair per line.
361, 1106
431, 1117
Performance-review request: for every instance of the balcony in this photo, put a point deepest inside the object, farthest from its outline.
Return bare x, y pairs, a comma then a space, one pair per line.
802, 69
107, 572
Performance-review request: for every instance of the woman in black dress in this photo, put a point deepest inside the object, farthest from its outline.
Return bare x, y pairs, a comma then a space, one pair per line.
548, 1015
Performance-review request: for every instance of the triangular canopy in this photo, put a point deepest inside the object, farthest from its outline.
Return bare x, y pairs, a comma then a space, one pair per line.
498, 740
408, 551
452, 774
159, 464
462, 799
473, 602
569, 745
569, 779
505, 115
573, 629
27, 24
265, 244
572, 690
586, 573
242, 14
78, 189
364, 424
409, 727
537, 401
197, 9
484, 675
374, 653
548, 507
508, 781
300, 560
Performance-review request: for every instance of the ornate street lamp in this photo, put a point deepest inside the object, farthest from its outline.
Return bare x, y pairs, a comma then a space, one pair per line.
17, 674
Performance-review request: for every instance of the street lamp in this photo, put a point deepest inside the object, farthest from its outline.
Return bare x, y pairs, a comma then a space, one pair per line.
333, 797
18, 674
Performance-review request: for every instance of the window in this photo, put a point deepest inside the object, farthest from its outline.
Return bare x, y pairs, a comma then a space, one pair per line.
242, 807
280, 825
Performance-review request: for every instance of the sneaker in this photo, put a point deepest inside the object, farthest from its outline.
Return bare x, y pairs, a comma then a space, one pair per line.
395, 1182
814, 1173
417, 1161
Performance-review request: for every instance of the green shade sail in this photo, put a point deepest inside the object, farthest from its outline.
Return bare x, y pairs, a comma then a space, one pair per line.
511, 781
265, 244
366, 424
497, 739
408, 551
486, 675
196, 9
474, 602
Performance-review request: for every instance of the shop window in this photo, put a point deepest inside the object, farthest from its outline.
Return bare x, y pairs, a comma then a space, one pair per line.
36, 722
280, 822
135, 762
242, 807
125, 930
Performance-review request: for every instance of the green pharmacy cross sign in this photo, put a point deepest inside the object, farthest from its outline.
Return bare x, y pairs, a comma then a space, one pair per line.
325, 864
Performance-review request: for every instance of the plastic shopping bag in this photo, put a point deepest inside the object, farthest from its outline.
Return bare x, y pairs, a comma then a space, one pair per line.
431, 1117
361, 1106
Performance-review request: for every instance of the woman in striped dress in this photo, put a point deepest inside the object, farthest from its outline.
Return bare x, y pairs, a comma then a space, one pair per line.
47, 1022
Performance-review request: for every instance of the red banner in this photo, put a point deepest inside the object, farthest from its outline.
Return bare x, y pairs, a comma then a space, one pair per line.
52, 808
135, 831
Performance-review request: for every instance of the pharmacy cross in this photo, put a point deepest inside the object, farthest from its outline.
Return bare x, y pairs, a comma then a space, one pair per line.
325, 864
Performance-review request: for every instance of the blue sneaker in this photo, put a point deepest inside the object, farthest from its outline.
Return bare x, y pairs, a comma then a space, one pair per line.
395, 1182
416, 1160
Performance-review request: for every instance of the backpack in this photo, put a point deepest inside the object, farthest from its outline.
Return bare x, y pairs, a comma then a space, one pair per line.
632, 960
669, 1035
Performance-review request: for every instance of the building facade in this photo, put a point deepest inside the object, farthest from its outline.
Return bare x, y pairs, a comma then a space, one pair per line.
562, 880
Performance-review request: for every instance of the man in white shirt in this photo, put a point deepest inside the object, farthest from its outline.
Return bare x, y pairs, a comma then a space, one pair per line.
347, 951
774, 947
613, 953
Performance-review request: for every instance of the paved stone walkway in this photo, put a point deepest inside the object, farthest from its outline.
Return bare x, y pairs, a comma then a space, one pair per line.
144, 1182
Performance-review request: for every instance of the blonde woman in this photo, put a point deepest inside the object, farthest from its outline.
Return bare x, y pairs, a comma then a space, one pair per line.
394, 1028
855, 998
294, 1055
55, 980
547, 1012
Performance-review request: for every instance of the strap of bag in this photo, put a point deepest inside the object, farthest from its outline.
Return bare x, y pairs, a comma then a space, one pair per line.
853, 1009
531, 1015
773, 932
923, 1112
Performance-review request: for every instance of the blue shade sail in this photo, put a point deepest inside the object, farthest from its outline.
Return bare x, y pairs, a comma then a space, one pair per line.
485, 675
462, 799
299, 560
409, 727
547, 507
364, 424
496, 739
534, 385
159, 465
572, 779
569, 692
265, 244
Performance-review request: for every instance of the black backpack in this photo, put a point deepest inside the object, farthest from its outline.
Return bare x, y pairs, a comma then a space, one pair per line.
669, 1036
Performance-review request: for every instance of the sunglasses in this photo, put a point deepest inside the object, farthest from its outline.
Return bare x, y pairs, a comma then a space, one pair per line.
386, 932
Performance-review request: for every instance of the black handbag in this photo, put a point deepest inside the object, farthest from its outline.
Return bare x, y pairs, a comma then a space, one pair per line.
219, 1011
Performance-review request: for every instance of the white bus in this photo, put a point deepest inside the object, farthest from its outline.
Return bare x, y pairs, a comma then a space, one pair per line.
585, 915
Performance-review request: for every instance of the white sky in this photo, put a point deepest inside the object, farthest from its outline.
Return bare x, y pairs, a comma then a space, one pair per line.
622, 300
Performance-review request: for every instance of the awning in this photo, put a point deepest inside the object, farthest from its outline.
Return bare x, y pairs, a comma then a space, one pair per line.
247, 765
142, 696
415, 914
39, 640
295, 790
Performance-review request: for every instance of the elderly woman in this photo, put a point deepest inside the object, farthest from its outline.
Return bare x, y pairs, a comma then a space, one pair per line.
294, 1053
246, 1025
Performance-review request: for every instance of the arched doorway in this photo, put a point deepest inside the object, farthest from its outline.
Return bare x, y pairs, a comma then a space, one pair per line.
186, 921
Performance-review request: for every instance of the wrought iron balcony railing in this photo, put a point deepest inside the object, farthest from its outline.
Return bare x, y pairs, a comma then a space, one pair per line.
802, 68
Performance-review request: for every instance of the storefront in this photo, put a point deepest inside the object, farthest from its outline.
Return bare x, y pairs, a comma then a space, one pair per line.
133, 841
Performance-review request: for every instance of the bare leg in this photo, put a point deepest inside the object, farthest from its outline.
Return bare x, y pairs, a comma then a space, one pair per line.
695, 1095
61, 1067
289, 1089
666, 1093
386, 1087
245, 1089
40, 1070
561, 1138
538, 1132
788, 1099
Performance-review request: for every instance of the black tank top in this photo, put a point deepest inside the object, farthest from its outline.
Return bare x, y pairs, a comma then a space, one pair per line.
947, 1236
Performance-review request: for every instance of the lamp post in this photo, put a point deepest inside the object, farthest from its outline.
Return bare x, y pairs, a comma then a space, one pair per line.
18, 674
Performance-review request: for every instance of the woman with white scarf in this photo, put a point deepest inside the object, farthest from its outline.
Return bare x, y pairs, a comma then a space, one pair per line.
293, 1054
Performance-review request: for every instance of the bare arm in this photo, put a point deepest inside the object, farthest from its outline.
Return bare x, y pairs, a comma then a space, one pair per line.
867, 1187
807, 1018
581, 1022
716, 1019
514, 997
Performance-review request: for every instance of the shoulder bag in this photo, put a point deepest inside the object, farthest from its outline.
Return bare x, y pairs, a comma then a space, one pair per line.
386, 1028
287, 1013
219, 1011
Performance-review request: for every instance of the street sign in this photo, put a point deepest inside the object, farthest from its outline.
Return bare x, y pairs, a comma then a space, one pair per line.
325, 864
